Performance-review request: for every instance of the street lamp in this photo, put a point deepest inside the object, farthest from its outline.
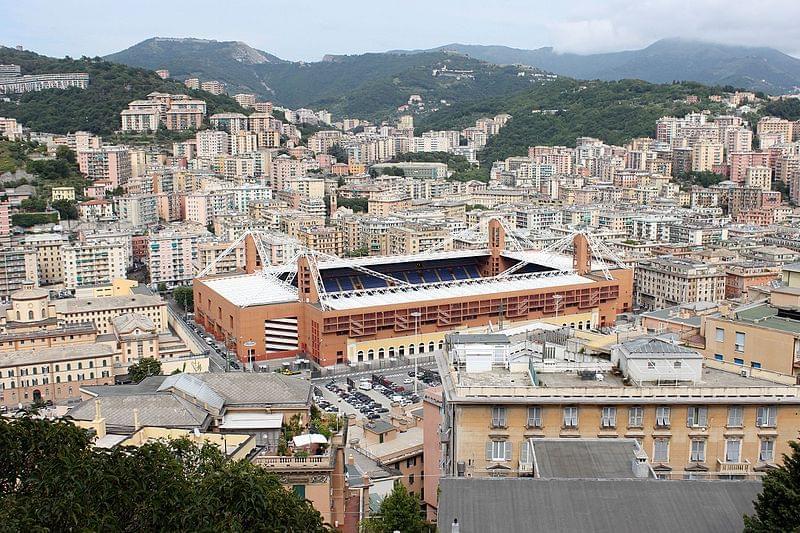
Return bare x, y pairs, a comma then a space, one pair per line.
249, 345
557, 298
416, 315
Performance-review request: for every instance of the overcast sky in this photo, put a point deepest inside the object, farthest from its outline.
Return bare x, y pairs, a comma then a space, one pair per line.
306, 30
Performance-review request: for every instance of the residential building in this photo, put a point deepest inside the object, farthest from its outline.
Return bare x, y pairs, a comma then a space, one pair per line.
93, 263
666, 281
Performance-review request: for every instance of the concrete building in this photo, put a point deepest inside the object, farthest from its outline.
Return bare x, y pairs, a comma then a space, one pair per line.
139, 210
111, 164
18, 265
666, 281
49, 258
62, 193
172, 254
93, 263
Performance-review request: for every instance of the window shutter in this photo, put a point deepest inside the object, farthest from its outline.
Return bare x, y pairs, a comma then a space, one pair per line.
689, 417
703, 418
524, 455
489, 450
502, 417
760, 417
508, 450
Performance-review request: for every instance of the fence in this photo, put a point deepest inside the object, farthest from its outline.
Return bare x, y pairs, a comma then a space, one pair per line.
370, 366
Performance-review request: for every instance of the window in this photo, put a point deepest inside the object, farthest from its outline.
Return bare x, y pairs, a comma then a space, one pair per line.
661, 450
300, 490
765, 416
697, 416
401, 350
635, 417
431, 346
534, 417
411, 479
381, 353
662, 416
410, 349
766, 450
360, 355
421, 348
498, 450
698, 451
733, 448
739, 346
735, 417
570, 417
718, 357
370, 354
738, 361
755, 364
525, 455
499, 415
608, 419
720, 335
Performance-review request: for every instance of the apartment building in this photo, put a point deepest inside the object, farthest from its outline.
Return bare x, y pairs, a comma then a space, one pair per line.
172, 254
213, 87
141, 119
383, 205
326, 240
138, 210
39, 82
93, 263
49, 259
18, 265
416, 238
229, 122
212, 143
62, 193
94, 210
776, 126
111, 164
706, 155
183, 119
693, 421
667, 281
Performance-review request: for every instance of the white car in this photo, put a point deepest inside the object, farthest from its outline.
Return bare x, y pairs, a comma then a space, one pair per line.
408, 381
365, 385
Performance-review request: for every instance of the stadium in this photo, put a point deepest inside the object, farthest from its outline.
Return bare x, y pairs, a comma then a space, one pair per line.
334, 310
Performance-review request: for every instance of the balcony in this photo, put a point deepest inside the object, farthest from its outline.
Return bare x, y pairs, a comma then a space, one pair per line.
734, 469
279, 462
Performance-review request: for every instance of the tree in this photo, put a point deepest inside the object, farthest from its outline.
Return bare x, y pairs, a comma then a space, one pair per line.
53, 479
778, 506
162, 287
147, 366
67, 209
339, 153
400, 511
184, 296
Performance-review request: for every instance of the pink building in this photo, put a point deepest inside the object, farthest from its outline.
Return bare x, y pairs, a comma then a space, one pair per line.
5, 224
741, 161
111, 164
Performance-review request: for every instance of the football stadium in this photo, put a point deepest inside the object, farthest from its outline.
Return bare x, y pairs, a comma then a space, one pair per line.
334, 310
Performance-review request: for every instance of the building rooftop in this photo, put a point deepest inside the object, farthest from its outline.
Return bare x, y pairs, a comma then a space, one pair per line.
584, 458
82, 305
767, 316
55, 354
153, 410
484, 505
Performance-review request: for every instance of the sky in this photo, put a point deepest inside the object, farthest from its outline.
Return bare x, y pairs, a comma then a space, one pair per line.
307, 30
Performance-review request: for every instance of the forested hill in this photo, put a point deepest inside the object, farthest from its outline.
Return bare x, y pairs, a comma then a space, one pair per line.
97, 108
369, 86
557, 113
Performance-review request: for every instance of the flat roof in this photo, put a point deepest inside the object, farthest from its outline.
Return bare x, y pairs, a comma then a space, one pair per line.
251, 289
584, 458
105, 303
66, 352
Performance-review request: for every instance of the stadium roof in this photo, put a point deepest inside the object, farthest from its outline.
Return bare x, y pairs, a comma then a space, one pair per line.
251, 289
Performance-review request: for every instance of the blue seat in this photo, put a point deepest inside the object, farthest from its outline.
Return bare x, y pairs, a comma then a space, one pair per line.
346, 284
330, 285
429, 276
445, 274
472, 271
413, 277
460, 273
372, 282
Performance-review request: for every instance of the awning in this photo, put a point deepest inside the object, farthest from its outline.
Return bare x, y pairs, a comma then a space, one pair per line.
247, 420
306, 440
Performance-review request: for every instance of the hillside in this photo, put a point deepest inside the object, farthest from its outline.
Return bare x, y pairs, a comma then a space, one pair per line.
368, 86
97, 108
761, 69
612, 111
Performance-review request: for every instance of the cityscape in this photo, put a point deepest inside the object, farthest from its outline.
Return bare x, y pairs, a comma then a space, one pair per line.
458, 289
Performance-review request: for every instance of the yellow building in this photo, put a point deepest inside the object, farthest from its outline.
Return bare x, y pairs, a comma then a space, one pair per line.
62, 193
693, 419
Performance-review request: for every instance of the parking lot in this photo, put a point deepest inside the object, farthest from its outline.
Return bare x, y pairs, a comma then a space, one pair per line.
371, 396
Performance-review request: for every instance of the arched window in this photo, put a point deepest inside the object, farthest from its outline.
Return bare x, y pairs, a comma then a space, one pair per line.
441, 345
580, 324
58, 379
360, 355
391, 351
370, 354
30, 314
380, 353
44, 313
410, 349
401, 351
572, 325
18, 315
431, 346
421, 347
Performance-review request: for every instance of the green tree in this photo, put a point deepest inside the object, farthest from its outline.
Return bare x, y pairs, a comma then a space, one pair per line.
147, 366
339, 153
358, 205
162, 287
52, 479
184, 296
34, 204
67, 209
778, 506
400, 511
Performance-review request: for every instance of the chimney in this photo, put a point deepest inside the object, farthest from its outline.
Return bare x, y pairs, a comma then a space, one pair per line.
99, 422
98, 411
351, 460
136, 424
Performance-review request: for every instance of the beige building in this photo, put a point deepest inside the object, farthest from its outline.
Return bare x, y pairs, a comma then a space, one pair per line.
384, 205
774, 125
706, 155
667, 281
692, 420
416, 238
49, 259
760, 177
62, 193
321, 239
